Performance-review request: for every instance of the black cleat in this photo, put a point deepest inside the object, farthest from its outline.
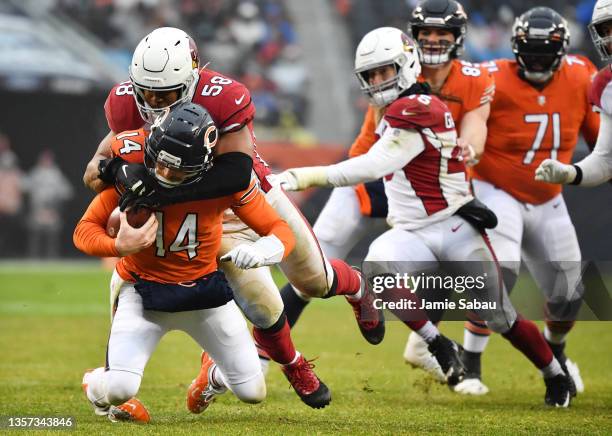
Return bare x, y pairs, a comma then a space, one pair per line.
306, 384
558, 391
371, 321
446, 353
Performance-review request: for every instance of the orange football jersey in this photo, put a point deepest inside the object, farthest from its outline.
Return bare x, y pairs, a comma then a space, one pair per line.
189, 234
527, 125
467, 87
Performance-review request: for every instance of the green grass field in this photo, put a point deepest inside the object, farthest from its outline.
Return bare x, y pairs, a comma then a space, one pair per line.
54, 324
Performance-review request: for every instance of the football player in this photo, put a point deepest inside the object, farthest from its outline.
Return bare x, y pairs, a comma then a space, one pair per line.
431, 209
596, 168
540, 108
164, 71
167, 277
439, 27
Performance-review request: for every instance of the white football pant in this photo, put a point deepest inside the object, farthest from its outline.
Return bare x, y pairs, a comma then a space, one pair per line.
135, 333
542, 235
462, 248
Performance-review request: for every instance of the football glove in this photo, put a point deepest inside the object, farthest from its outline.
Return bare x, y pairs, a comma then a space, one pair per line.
553, 171
107, 169
298, 179
265, 251
133, 181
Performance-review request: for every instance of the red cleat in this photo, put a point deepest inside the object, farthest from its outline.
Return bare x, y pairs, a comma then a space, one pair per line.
201, 392
306, 384
371, 321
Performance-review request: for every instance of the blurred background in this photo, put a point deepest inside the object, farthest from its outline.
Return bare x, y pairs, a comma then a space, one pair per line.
59, 59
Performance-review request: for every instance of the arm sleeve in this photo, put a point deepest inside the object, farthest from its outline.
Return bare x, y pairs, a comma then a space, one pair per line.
391, 152
230, 173
254, 211
90, 233
367, 135
597, 166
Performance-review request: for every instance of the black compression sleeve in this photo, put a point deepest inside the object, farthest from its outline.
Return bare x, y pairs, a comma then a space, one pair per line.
230, 173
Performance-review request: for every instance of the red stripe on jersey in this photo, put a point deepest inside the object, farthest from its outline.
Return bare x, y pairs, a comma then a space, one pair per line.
599, 84
423, 173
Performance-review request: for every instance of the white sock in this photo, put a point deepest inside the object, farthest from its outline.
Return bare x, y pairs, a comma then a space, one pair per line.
554, 338
295, 359
428, 332
474, 343
357, 295
217, 378
552, 369
96, 393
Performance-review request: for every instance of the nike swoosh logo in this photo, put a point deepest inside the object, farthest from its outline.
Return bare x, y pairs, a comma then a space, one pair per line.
556, 205
130, 405
239, 100
124, 171
407, 114
454, 229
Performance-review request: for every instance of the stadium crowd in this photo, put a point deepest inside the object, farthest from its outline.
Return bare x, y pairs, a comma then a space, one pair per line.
252, 41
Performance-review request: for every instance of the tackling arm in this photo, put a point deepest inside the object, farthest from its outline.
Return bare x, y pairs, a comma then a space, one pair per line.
391, 152
230, 173
90, 178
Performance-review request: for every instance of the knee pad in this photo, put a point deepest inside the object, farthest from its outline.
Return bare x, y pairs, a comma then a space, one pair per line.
120, 386
253, 391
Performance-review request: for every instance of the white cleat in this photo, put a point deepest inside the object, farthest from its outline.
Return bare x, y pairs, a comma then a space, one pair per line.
471, 386
574, 373
417, 354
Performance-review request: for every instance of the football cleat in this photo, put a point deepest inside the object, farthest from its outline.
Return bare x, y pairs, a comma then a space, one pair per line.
471, 386
306, 384
201, 392
574, 372
418, 356
558, 391
371, 321
446, 353
130, 411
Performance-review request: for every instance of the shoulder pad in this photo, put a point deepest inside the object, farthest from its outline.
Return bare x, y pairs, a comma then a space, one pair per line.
600, 93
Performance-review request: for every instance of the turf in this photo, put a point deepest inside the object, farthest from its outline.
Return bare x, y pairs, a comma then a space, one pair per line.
54, 324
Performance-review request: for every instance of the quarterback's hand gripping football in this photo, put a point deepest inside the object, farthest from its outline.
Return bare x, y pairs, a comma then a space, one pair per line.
266, 251
298, 179
553, 171
131, 240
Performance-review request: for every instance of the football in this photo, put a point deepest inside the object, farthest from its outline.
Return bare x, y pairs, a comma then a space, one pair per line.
136, 217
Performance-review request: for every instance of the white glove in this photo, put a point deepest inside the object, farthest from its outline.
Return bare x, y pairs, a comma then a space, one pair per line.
266, 251
552, 171
298, 179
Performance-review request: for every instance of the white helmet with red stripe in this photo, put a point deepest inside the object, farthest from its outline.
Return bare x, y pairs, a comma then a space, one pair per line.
165, 60
602, 38
387, 46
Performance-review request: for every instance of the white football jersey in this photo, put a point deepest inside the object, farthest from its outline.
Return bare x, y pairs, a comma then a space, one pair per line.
433, 185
